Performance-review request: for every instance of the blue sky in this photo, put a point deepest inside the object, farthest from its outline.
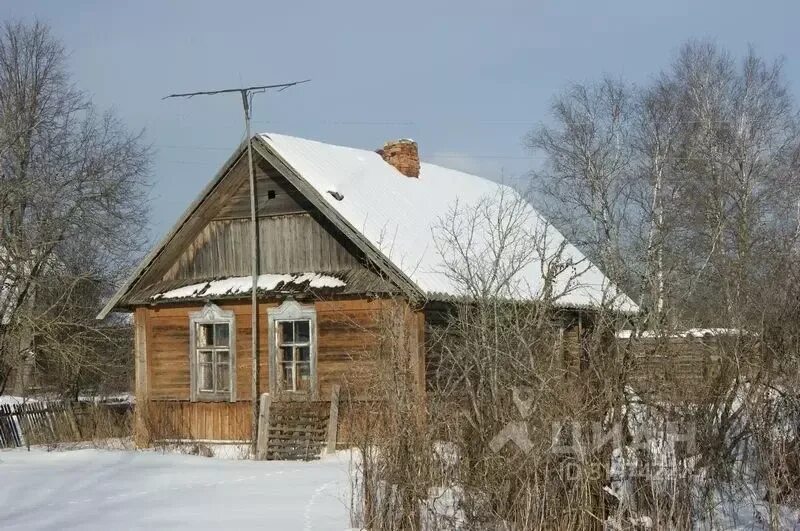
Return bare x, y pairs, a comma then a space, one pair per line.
465, 79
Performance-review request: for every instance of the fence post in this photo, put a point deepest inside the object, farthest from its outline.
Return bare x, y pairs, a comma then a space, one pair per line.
263, 427
23, 415
333, 420
73, 421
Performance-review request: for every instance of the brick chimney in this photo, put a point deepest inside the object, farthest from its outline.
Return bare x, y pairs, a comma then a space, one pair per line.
403, 155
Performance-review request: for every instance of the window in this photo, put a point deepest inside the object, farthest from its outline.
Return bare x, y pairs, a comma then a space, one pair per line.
212, 354
292, 362
213, 357
294, 345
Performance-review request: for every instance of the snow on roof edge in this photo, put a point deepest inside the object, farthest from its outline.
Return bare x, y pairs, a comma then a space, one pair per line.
690, 332
242, 285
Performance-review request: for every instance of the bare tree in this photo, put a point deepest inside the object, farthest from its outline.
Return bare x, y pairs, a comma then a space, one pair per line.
708, 219
654, 141
504, 334
687, 185
72, 192
738, 183
585, 180
486, 247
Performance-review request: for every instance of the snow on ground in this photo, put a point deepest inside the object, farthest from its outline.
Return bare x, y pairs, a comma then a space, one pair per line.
745, 509
97, 489
115, 398
9, 400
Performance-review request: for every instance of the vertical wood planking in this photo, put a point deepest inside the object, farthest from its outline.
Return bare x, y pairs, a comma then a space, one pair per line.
202, 420
288, 244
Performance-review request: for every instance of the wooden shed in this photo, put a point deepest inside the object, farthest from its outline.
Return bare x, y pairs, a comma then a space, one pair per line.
345, 236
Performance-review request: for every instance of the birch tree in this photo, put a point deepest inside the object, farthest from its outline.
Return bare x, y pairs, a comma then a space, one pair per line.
737, 196
588, 157
656, 130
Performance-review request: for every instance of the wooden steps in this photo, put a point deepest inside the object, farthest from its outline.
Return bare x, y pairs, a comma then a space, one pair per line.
297, 430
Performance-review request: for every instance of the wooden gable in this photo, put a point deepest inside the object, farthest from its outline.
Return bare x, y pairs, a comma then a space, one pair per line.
214, 241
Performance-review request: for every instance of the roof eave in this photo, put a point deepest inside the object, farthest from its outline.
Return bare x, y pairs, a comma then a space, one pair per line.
448, 298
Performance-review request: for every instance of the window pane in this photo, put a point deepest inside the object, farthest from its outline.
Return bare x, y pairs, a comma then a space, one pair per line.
301, 331
223, 377
286, 335
223, 356
287, 377
206, 377
221, 334
286, 352
303, 376
205, 335
303, 353
205, 356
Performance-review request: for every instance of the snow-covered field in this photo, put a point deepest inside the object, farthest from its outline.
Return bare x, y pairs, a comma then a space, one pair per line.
99, 489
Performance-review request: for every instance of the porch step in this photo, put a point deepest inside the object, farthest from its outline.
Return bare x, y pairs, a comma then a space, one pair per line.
297, 430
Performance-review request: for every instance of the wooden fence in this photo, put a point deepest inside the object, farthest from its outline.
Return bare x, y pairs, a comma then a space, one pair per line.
37, 423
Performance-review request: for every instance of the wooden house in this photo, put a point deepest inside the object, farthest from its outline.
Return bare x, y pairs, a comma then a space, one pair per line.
343, 235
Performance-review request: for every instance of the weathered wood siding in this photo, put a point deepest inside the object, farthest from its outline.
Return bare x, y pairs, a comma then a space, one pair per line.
141, 374
168, 350
684, 369
215, 241
438, 334
349, 332
205, 421
204, 213
287, 244
572, 350
274, 194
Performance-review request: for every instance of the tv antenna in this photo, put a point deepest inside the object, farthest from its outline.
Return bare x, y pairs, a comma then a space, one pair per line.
247, 94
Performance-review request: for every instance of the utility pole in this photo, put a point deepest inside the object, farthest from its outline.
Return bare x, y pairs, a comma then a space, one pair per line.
247, 104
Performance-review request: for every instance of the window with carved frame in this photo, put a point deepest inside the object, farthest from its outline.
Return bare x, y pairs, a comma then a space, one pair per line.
292, 329
294, 350
212, 354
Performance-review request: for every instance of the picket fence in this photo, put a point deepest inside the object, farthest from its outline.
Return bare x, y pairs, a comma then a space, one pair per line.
36, 423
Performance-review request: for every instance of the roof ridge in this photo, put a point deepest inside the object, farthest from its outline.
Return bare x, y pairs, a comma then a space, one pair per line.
372, 151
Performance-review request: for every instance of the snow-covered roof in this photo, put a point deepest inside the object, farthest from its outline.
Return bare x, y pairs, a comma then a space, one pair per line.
394, 219
399, 216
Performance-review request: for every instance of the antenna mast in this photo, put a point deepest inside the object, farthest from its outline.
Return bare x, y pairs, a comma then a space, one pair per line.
247, 105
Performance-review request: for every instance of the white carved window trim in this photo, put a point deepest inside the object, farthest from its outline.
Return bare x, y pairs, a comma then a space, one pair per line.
212, 314
291, 310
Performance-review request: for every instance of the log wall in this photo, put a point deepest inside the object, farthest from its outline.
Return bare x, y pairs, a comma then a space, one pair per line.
349, 332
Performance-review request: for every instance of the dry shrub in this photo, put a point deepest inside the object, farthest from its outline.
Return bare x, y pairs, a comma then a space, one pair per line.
104, 421
435, 462
593, 448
